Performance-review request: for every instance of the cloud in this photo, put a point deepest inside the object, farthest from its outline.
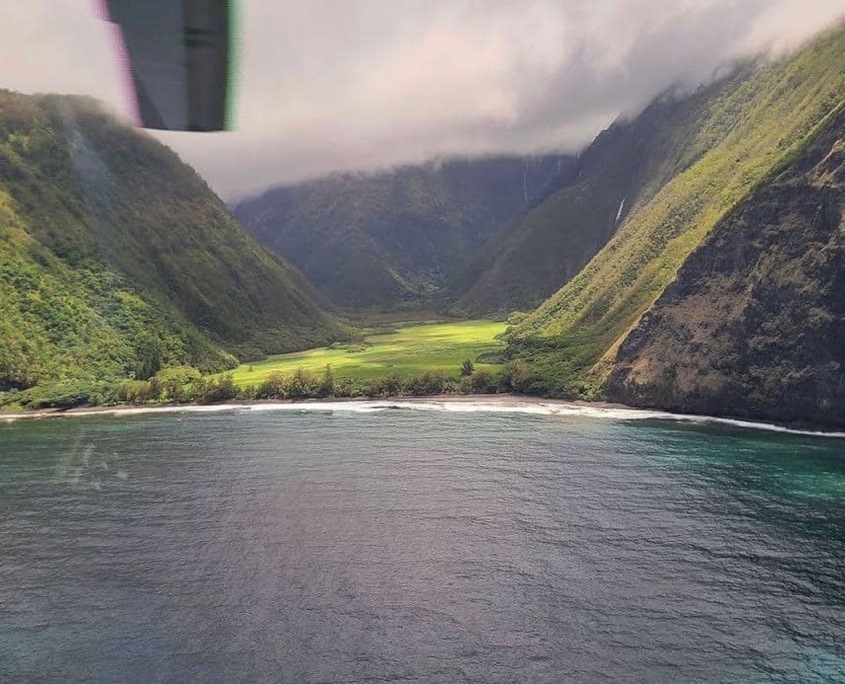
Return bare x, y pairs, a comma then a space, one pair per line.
359, 84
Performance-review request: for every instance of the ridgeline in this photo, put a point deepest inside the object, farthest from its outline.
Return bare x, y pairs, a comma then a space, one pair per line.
116, 260
757, 128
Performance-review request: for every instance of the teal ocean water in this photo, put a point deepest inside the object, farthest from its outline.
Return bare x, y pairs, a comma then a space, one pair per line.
435, 543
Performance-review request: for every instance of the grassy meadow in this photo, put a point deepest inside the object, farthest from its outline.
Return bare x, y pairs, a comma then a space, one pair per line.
408, 350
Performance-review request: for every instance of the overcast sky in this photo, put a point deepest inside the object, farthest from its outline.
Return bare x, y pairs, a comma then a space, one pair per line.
326, 85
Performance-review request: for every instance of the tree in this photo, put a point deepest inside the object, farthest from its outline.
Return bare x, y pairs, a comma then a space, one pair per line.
426, 384
302, 385
517, 376
148, 352
173, 384
483, 382
326, 388
273, 387
467, 368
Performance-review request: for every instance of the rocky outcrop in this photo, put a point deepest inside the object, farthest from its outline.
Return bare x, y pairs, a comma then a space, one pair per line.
754, 324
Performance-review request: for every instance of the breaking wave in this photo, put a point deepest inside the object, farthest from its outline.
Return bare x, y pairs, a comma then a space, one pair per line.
498, 405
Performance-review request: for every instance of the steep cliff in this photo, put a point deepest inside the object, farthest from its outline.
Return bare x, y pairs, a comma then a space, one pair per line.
615, 176
754, 324
763, 122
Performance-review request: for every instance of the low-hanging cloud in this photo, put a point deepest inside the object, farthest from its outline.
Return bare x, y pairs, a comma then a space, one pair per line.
334, 85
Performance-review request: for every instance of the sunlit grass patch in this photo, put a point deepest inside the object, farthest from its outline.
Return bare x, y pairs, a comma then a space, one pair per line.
407, 351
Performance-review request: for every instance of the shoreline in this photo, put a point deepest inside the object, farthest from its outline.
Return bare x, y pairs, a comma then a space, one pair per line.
491, 399
463, 403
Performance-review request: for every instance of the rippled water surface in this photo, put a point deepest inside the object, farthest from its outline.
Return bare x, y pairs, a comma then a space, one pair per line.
418, 545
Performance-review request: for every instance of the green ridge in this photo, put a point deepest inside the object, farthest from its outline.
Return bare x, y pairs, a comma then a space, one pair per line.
762, 121
116, 259
619, 172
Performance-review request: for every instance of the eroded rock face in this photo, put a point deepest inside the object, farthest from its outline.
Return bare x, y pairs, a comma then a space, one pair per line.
754, 324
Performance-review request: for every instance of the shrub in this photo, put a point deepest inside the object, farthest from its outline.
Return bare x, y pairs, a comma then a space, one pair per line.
64, 395
173, 384
517, 376
135, 391
465, 386
347, 387
467, 368
326, 387
214, 391
302, 385
483, 382
273, 387
390, 386
426, 384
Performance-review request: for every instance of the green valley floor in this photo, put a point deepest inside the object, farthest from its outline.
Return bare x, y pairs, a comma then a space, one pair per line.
405, 351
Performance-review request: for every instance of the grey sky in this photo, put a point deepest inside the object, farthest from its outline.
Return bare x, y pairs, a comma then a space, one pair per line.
329, 85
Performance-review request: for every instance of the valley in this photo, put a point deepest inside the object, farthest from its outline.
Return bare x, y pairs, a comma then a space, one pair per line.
686, 259
440, 341
404, 351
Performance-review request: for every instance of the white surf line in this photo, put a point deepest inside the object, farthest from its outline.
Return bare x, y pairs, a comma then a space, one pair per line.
752, 425
609, 413
541, 408
121, 411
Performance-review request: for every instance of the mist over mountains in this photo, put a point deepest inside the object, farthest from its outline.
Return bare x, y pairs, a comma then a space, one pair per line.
326, 87
412, 236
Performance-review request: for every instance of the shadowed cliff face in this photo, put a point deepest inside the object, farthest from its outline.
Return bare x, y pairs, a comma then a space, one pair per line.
754, 325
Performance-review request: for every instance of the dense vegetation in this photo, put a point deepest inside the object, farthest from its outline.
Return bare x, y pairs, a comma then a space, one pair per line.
411, 360
116, 260
409, 235
185, 385
761, 122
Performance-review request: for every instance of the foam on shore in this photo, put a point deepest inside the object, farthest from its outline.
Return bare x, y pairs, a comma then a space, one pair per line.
493, 404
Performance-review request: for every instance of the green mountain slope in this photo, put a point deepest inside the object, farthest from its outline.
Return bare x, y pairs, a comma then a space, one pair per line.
406, 235
116, 258
616, 175
754, 323
762, 123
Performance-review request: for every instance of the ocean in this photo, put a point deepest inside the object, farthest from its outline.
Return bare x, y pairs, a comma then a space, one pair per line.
427, 541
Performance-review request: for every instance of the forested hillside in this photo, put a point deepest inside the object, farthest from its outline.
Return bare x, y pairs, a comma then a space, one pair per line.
116, 259
412, 234
761, 124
